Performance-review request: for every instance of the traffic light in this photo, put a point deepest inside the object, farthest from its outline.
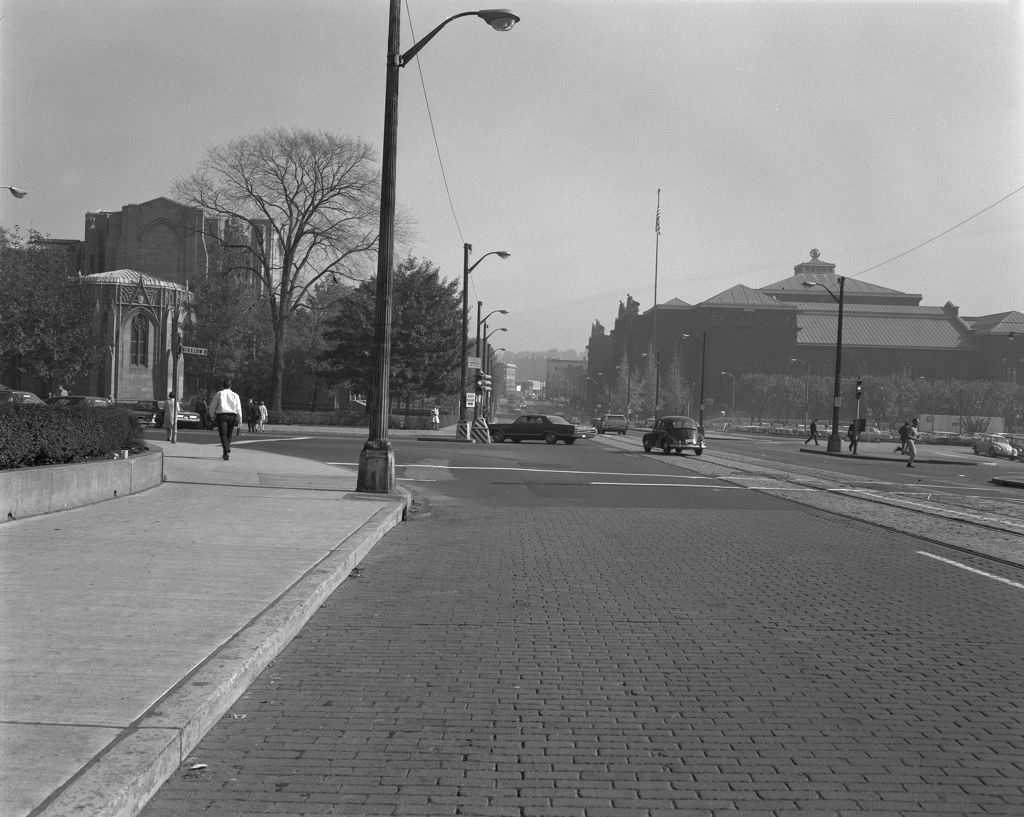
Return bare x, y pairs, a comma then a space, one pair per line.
487, 381
860, 388
479, 381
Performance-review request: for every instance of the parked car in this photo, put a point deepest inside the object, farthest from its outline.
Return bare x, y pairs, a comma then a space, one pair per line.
548, 427
147, 412
81, 399
675, 433
612, 424
875, 435
189, 419
19, 397
995, 445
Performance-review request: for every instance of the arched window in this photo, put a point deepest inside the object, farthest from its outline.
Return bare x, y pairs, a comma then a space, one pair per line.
140, 341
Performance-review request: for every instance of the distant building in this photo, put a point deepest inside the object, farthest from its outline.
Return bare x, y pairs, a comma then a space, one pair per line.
565, 380
790, 326
165, 239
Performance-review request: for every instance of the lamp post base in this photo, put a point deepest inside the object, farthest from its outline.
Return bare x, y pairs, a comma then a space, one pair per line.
376, 468
835, 444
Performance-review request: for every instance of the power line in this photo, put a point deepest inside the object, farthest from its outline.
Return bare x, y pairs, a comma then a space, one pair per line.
433, 132
944, 232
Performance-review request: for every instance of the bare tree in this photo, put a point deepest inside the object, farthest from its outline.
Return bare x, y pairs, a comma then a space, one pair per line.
310, 201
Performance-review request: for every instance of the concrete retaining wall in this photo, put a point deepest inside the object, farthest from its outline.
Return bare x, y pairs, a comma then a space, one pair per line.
28, 492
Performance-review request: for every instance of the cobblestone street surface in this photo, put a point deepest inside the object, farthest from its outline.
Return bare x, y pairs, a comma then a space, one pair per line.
580, 662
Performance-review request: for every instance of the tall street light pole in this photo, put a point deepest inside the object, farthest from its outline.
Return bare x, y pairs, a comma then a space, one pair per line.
377, 460
835, 442
461, 431
807, 387
732, 406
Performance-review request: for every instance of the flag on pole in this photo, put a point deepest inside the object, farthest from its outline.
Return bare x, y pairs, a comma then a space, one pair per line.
657, 217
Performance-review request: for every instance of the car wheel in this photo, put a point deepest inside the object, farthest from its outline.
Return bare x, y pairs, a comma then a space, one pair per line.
992, 452
679, 451
517, 439
699, 451
569, 440
498, 435
667, 449
550, 438
647, 448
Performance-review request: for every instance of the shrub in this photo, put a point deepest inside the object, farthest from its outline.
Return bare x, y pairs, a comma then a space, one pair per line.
50, 435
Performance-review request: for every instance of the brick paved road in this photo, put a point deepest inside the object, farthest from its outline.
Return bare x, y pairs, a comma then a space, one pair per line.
548, 658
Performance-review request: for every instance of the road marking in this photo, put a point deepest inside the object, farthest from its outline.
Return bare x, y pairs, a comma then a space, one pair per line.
673, 485
962, 566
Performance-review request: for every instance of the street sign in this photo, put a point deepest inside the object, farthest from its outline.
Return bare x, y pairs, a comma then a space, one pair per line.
194, 350
474, 363
470, 399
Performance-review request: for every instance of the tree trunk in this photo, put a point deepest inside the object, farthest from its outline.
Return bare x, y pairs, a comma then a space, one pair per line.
277, 370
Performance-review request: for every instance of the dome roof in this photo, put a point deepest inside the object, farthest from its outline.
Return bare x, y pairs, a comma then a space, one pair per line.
131, 277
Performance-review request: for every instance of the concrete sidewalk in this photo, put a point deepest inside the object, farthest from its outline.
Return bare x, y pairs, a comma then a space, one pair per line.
132, 625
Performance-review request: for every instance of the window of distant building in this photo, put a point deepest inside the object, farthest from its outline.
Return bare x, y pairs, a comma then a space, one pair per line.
139, 355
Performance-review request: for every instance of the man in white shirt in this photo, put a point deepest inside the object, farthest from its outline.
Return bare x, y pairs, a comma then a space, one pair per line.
226, 409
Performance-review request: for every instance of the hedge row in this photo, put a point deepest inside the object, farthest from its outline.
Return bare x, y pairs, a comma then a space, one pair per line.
53, 435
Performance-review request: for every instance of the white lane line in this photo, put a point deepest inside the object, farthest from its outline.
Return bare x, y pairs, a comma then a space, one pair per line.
962, 566
529, 470
673, 485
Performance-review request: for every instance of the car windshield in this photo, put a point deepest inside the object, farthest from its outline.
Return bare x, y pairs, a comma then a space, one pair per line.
554, 418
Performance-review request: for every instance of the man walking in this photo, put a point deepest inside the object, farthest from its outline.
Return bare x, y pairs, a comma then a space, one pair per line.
814, 432
226, 408
912, 443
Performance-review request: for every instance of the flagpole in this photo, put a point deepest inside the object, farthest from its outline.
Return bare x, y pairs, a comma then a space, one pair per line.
657, 352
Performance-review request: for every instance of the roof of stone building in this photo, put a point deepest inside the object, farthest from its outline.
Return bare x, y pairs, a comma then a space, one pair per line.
1002, 323
742, 295
852, 287
885, 326
131, 277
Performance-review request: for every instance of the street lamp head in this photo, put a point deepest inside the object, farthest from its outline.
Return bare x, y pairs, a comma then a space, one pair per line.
503, 254
498, 19
17, 192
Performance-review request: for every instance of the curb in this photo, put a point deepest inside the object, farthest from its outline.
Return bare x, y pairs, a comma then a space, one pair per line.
120, 781
879, 458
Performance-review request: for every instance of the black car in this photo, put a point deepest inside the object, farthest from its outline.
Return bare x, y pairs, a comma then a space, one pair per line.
675, 433
548, 427
147, 412
80, 400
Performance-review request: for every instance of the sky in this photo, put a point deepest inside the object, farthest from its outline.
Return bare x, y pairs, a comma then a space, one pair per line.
862, 129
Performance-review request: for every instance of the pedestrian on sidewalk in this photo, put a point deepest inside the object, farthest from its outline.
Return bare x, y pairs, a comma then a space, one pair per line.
226, 408
171, 417
252, 415
851, 435
904, 434
435, 418
201, 410
814, 432
912, 443
264, 415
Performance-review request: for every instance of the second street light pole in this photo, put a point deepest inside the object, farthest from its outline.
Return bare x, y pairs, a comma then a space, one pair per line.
461, 430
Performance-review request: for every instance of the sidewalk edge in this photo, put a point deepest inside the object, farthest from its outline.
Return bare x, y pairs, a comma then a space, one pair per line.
122, 778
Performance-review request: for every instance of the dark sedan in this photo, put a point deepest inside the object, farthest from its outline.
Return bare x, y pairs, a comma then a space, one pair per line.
548, 427
675, 433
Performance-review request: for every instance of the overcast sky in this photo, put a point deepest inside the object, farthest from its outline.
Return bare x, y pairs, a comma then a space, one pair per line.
859, 128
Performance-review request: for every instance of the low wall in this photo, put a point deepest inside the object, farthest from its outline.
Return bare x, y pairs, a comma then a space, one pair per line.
28, 492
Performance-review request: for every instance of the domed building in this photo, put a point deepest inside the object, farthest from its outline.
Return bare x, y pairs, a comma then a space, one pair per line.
143, 319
